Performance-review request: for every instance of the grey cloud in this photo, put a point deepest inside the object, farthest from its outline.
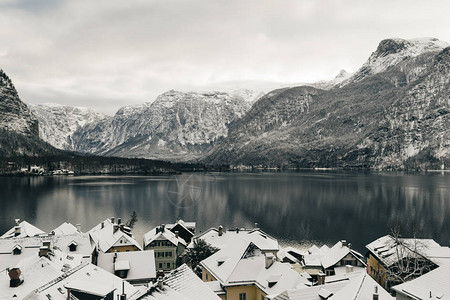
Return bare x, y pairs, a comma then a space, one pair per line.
106, 54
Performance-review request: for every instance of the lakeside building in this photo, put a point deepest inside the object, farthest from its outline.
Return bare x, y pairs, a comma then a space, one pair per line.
392, 261
180, 284
136, 267
66, 228
186, 230
355, 285
336, 260
167, 246
220, 238
14, 250
244, 271
55, 275
22, 229
110, 237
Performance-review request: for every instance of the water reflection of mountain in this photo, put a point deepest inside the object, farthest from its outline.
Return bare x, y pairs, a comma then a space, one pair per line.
294, 206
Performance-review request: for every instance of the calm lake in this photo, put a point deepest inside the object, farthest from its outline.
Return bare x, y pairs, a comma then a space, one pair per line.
298, 208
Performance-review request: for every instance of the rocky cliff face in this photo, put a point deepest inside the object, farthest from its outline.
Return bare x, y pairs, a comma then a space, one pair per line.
394, 116
57, 123
176, 126
14, 114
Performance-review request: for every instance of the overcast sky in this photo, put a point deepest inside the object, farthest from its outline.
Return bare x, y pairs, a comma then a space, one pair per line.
105, 54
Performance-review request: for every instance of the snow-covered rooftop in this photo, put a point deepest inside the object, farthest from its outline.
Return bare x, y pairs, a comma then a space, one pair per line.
26, 229
245, 264
156, 235
261, 239
141, 264
184, 281
64, 229
390, 250
433, 285
104, 236
362, 288
30, 247
337, 253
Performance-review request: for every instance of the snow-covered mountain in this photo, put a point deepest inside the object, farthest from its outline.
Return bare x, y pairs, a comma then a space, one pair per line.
58, 122
14, 114
392, 51
394, 114
176, 126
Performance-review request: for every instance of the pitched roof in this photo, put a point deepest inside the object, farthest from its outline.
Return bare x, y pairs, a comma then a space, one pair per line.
104, 236
361, 289
156, 235
435, 283
181, 284
337, 253
141, 264
244, 264
30, 247
64, 229
36, 272
261, 239
184, 281
333, 285
85, 277
389, 250
26, 229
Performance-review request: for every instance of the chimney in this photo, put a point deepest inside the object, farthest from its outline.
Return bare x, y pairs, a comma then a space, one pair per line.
163, 226
113, 219
320, 278
375, 293
344, 243
15, 276
79, 227
121, 226
103, 225
176, 233
269, 259
119, 221
160, 283
45, 249
17, 230
115, 228
123, 296
220, 230
256, 225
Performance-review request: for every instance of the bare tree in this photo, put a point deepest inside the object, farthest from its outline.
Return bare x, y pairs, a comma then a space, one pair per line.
408, 257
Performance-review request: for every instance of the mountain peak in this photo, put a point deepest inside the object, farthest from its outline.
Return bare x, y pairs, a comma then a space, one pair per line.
392, 51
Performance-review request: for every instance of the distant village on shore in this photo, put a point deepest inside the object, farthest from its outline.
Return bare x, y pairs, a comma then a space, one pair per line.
175, 262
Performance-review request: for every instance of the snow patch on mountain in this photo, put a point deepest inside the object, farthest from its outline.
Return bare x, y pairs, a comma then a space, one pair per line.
58, 122
390, 52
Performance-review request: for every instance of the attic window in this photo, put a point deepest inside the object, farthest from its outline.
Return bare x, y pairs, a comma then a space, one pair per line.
73, 246
221, 260
273, 279
17, 250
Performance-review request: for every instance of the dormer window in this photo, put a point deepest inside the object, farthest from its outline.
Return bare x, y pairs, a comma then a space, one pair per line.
221, 260
272, 280
73, 246
17, 250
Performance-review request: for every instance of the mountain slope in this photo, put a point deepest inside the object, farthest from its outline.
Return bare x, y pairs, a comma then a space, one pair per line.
57, 122
390, 119
390, 52
14, 114
176, 126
